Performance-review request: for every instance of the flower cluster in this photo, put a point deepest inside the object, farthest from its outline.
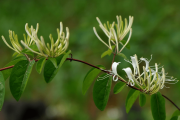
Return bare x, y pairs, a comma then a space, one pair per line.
47, 50
151, 79
115, 32
53, 50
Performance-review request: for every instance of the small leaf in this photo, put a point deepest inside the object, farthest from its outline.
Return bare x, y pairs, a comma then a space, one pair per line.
118, 87
90, 76
19, 77
132, 96
101, 91
15, 54
34, 47
142, 99
28, 52
40, 64
50, 71
122, 55
158, 107
53, 60
108, 52
124, 42
2, 90
7, 72
175, 115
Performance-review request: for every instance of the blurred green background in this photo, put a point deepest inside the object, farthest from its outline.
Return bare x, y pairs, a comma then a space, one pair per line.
156, 30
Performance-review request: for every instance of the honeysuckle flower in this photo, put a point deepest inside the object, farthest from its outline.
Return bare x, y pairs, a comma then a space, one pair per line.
114, 70
50, 50
129, 73
14, 41
115, 32
150, 80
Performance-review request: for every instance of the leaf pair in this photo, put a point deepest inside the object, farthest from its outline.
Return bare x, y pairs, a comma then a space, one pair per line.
157, 103
22, 70
101, 89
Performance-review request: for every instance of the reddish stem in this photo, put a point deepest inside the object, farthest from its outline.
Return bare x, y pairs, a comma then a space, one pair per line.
72, 59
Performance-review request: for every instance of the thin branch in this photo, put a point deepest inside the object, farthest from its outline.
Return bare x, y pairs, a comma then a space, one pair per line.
171, 102
72, 59
113, 58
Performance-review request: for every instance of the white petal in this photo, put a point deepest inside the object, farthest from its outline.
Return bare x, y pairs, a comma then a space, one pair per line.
114, 67
128, 72
114, 78
134, 64
147, 63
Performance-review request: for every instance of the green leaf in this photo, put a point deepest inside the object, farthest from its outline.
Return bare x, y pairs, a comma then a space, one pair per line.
50, 71
101, 91
158, 106
20, 57
122, 55
7, 72
15, 54
142, 99
118, 87
40, 64
28, 52
19, 77
53, 60
132, 96
90, 76
124, 42
2, 90
34, 47
108, 52
175, 115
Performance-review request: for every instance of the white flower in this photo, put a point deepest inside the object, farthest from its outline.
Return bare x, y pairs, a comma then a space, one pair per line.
114, 70
129, 73
115, 32
150, 80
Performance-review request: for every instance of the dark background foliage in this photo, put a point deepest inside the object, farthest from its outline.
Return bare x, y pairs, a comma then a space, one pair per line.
156, 30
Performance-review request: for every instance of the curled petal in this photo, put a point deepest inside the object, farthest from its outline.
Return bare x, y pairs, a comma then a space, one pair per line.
114, 67
129, 74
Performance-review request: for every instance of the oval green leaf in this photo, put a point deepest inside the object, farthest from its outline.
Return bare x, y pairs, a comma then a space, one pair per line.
158, 106
7, 72
142, 99
108, 52
50, 71
2, 90
40, 64
53, 60
101, 91
175, 115
122, 55
90, 76
131, 98
118, 87
19, 77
